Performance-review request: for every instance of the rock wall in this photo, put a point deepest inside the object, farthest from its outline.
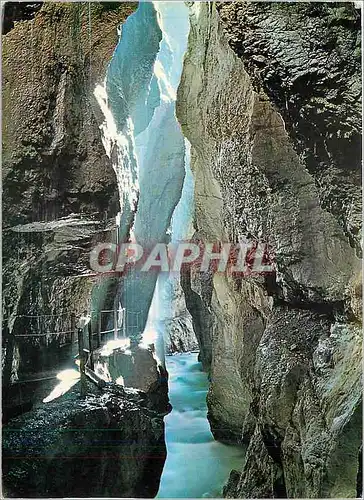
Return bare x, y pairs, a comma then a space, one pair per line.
60, 193
179, 333
270, 101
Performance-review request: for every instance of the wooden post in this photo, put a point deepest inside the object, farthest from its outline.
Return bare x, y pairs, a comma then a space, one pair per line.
81, 353
124, 323
73, 327
115, 324
99, 330
89, 329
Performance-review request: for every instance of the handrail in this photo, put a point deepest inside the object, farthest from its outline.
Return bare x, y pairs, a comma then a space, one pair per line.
127, 323
69, 313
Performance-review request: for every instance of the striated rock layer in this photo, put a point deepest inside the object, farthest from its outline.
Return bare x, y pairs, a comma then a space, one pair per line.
270, 101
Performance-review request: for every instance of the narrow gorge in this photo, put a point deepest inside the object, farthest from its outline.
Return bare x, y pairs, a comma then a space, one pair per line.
134, 135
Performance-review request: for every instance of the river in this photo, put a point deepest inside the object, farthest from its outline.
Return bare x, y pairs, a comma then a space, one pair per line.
197, 466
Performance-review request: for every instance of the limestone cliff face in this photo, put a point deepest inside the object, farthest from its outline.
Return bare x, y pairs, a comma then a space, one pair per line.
274, 124
60, 192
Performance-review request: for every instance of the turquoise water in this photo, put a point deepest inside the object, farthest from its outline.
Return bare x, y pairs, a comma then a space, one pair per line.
197, 466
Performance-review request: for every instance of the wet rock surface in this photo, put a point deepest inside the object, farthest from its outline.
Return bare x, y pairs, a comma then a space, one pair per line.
275, 157
60, 194
306, 58
197, 289
109, 444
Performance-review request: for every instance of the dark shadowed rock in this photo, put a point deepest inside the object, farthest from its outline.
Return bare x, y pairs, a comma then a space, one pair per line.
109, 444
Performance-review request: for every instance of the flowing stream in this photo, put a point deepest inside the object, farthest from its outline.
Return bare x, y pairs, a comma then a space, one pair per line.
197, 466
